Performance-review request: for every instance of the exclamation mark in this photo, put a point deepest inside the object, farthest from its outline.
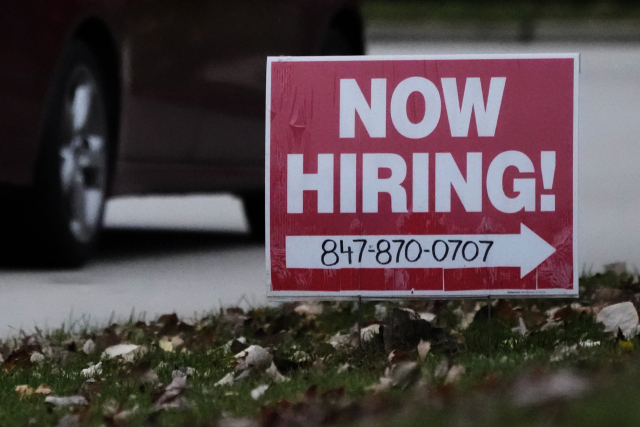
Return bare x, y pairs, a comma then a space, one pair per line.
548, 168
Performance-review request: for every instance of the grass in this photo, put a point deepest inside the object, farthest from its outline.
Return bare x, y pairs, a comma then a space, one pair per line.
496, 11
333, 382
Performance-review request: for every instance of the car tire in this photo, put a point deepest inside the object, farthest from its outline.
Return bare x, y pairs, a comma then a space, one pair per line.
72, 176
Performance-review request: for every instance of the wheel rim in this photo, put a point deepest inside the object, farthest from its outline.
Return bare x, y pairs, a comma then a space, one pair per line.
83, 154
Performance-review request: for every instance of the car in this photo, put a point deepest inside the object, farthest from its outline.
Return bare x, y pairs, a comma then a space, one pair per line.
106, 98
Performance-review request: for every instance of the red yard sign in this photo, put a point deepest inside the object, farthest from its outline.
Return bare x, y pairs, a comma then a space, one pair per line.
435, 176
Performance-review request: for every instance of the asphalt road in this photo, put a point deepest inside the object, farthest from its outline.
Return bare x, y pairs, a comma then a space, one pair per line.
192, 254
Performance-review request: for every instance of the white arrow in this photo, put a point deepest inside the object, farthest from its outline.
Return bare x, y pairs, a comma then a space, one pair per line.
526, 250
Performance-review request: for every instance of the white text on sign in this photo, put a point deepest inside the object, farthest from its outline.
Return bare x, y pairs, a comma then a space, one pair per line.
468, 186
374, 114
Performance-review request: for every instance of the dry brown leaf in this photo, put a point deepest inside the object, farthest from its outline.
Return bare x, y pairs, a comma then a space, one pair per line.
309, 310
423, 349
24, 391
166, 345
454, 374
43, 389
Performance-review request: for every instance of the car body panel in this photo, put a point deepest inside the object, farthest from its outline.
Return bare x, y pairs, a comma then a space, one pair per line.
191, 83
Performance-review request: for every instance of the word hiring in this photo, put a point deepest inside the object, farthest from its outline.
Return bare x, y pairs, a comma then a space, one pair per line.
447, 177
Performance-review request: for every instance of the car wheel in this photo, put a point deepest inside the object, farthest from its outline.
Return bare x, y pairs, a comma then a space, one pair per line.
73, 169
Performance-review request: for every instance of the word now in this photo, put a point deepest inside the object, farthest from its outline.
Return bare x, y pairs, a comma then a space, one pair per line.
374, 115
447, 176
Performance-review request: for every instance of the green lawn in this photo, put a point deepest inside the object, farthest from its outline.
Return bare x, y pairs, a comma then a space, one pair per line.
526, 365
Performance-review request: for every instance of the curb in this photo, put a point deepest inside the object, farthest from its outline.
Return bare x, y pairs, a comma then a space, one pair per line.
546, 31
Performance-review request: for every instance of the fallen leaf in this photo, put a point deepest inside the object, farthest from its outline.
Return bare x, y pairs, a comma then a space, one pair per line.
92, 370
442, 369
370, 332
89, 347
339, 341
125, 414
66, 401
253, 356
428, 316
521, 328
503, 310
404, 374
562, 314
126, 351
166, 345
275, 375
184, 371
168, 399
257, 392
454, 374
533, 320
20, 358
176, 341
397, 356
380, 312
243, 375
23, 391
621, 316
36, 357
226, 380
309, 310
423, 349
43, 389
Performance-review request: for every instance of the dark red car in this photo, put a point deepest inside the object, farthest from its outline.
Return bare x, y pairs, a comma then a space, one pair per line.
101, 98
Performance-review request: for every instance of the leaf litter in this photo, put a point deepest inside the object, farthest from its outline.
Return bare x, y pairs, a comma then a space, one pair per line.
305, 364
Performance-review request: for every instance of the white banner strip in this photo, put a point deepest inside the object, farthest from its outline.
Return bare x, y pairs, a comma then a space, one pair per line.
525, 250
